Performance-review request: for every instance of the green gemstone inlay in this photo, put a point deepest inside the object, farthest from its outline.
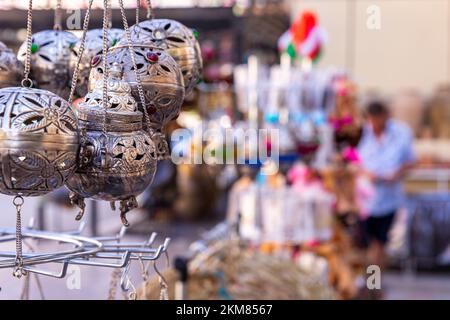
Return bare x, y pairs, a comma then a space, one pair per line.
34, 48
196, 34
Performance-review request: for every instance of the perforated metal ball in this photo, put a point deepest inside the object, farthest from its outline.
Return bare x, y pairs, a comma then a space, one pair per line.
178, 40
117, 158
11, 70
160, 76
38, 141
51, 53
93, 47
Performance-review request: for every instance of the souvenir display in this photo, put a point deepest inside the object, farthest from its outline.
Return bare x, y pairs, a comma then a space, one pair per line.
270, 148
38, 142
100, 151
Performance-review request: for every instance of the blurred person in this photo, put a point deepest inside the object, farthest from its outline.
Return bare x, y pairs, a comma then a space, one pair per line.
386, 153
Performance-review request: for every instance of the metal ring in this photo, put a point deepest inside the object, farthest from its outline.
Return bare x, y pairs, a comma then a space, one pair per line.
27, 83
18, 200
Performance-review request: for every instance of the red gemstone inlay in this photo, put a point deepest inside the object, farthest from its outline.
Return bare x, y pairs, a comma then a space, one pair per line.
96, 60
151, 110
152, 57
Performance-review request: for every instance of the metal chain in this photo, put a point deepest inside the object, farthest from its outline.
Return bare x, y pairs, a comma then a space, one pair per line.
58, 16
105, 63
110, 17
19, 271
76, 72
26, 82
138, 11
133, 60
150, 14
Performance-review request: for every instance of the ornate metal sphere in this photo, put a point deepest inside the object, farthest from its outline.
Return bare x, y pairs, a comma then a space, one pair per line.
51, 53
117, 157
11, 70
178, 40
93, 47
38, 141
160, 77
161, 80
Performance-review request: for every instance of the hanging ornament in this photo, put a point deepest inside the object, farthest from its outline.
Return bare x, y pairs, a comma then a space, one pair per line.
93, 47
11, 70
38, 135
38, 141
178, 40
51, 52
160, 77
117, 157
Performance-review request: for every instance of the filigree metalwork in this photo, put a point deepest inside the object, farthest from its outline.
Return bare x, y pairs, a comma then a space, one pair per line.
160, 77
11, 70
38, 141
117, 157
178, 40
93, 47
51, 53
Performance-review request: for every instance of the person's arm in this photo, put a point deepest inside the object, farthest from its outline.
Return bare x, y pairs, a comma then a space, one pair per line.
408, 158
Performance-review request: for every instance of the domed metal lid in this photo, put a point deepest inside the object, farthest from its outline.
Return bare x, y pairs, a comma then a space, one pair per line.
35, 117
121, 113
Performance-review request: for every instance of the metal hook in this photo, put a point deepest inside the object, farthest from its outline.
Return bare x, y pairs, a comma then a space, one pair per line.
126, 284
162, 282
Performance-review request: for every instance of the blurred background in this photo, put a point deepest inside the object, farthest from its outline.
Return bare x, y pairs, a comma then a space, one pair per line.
392, 51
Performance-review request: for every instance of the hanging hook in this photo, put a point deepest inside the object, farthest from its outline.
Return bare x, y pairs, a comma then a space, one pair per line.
162, 281
126, 284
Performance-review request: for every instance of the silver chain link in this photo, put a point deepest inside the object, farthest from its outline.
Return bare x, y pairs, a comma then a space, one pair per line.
58, 16
76, 72
105, 63
110, 18
18, 271
133, 60
26, 74
138, 10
